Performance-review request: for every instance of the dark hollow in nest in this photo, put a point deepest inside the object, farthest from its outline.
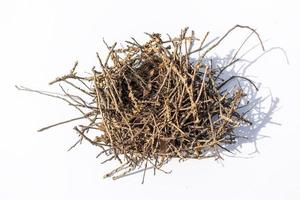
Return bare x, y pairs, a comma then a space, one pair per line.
152, 102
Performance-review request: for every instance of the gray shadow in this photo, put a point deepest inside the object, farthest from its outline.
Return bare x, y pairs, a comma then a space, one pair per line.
254, 107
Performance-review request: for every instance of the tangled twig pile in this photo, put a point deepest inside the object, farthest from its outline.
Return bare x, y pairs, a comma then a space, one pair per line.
153, 102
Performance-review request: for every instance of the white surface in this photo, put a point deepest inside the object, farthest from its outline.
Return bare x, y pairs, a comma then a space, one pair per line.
41, 39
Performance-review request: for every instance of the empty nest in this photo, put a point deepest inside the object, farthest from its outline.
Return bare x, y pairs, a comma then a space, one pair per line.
155, 101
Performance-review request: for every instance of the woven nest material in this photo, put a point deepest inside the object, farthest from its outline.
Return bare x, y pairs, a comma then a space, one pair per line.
155, 101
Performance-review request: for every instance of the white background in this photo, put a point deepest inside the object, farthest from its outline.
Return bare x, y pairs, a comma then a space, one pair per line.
40, 40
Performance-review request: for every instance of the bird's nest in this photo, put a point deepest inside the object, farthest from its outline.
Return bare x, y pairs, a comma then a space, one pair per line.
155, 101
